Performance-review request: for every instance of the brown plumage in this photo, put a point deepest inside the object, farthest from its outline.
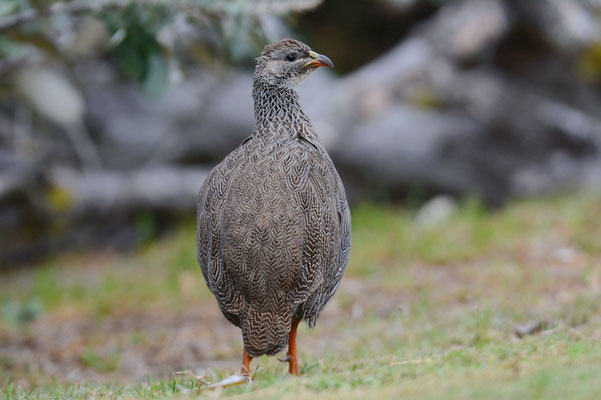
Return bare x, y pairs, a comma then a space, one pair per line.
273, 225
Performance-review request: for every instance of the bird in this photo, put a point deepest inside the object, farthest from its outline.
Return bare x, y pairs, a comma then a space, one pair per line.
273, 221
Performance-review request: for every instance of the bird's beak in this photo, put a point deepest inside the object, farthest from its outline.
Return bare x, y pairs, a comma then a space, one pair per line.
319, 60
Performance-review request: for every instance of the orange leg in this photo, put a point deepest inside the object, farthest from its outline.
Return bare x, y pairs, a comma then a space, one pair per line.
246, 359
292, 360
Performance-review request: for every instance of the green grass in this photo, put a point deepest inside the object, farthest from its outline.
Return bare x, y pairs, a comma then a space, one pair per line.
422, 313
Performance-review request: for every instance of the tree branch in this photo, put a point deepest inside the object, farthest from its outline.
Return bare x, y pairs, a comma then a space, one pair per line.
71, 7
258, 7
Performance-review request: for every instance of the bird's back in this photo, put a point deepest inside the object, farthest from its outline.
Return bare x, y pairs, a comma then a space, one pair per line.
273, 236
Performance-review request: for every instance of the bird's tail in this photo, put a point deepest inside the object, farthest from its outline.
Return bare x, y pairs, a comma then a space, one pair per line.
265, 331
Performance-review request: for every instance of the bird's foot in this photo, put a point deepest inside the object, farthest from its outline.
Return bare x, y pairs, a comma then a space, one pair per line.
292, 363
233, 380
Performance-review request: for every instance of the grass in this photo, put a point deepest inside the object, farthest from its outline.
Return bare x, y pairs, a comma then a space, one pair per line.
423, 312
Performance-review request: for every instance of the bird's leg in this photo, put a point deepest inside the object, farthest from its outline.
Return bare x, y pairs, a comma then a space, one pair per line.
236, 379
246, 359
291, 356
242, 377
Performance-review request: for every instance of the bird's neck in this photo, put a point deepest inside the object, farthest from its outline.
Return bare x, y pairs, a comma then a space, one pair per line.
278, 112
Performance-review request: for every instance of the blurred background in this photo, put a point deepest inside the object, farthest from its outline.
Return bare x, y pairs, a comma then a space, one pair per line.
112, 112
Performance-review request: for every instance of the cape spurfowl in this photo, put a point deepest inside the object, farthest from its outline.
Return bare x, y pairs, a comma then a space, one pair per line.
273, 225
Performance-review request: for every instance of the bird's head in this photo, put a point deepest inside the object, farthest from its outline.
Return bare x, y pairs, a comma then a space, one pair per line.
287, 63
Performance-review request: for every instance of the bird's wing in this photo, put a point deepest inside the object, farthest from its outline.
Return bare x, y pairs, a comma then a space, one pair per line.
208, 234
334, 234
205, 209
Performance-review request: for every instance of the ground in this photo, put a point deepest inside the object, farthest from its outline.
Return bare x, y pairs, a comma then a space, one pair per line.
424, 312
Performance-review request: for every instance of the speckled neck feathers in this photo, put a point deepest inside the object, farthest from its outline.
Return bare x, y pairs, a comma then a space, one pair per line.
278, 112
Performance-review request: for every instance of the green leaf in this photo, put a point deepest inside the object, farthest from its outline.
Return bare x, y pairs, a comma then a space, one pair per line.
156, 78
8, 7
9, 48
139, 55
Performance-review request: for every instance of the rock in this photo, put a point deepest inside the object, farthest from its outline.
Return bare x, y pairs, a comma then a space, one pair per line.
17, 175
530, 328
407, 146
567, 255
51, 94
104, 192
435, 212
407, 62
201, 119
566, 24
357, 311
466, 28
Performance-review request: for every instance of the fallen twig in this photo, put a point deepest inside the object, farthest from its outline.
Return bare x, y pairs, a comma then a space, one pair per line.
199, 379
411, 362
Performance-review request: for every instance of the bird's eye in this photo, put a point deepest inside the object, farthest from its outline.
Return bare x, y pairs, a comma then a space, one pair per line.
291, 57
